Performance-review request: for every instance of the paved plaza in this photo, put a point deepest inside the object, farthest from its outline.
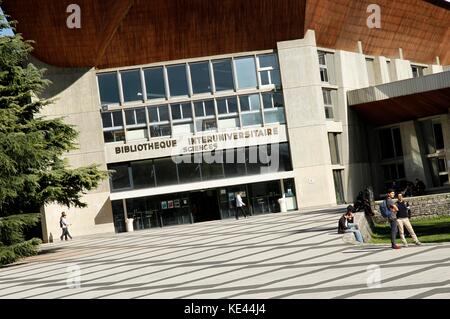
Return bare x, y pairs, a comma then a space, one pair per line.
284, 255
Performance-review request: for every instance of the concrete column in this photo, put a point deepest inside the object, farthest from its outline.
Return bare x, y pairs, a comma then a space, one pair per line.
305, 117
77, 102
381, 70
352, 74
433, 68
401, 69
413, 152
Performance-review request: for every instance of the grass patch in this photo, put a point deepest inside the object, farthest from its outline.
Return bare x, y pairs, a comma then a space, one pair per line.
428, 230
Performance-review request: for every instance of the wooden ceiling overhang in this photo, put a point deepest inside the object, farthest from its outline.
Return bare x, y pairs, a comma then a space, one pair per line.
131, 32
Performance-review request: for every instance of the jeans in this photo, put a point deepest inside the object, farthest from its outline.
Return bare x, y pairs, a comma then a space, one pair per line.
393, 222
241, 210
357, 234
65, 234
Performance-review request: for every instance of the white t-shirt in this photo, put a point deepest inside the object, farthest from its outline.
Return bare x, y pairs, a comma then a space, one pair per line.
64, 222
239, 202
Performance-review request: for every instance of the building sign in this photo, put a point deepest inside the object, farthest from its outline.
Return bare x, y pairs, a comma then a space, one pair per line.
194, 144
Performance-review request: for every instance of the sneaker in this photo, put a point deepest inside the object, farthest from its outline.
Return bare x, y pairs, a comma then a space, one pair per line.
395, 246
418, 243
405, 244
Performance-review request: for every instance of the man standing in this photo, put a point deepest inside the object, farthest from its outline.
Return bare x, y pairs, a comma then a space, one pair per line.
403, 221
240, 205
392, 217
64, 224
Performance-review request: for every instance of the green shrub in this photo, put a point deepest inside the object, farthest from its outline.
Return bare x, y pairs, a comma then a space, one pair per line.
10, 254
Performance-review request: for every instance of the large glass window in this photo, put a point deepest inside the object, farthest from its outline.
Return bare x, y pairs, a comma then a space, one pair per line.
250, 110
131, 85
269, 71
326, 66
438, 170
213, 170
273, 104
234, 162
390, 143
113, 129
328, 101
334, 141
120, 178
159, 120
285, 163
323, 66
182, 118
434, 145
177, 80
205, 116
143, 174
393, 171
109, 88
228, 113
188, 171
245, 72
432, 135
136, 124
165, 171
200, 77
223, 76
339, 186
154, 83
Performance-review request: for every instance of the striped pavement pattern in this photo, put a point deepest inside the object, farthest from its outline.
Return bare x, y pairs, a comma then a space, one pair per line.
284, 255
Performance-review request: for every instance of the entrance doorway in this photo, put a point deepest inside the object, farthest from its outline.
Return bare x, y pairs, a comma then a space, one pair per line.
204, 205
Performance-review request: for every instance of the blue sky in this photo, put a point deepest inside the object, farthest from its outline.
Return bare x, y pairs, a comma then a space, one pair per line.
6, 31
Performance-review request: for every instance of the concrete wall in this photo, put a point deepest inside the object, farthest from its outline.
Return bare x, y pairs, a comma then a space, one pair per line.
76, 101
352, 74
305, 117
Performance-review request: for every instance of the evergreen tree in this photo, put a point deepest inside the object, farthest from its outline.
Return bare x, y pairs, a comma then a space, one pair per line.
32, 169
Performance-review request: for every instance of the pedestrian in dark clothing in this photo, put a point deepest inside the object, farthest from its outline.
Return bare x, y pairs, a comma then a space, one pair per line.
346, 225
419, 187
403, 216
64, 224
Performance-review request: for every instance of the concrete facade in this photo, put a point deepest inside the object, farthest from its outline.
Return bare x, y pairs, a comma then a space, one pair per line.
75, 97
306, 130
306, 121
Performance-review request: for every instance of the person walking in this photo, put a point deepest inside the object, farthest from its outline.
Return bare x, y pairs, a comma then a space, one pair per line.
240, 205
64, 224
403, 221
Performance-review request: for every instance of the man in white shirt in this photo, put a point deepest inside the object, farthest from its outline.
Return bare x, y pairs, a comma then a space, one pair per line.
240, 206
64, 224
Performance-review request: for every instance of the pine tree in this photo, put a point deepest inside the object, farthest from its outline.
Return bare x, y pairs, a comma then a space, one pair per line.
32, 169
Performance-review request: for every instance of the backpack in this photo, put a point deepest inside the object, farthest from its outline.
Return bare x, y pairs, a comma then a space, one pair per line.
384, 210
60, 223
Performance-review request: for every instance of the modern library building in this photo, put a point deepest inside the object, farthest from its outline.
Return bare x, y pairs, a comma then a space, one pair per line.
188, 103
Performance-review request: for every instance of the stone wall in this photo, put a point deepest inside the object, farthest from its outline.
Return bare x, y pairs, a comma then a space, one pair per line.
428, 206
364, 226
